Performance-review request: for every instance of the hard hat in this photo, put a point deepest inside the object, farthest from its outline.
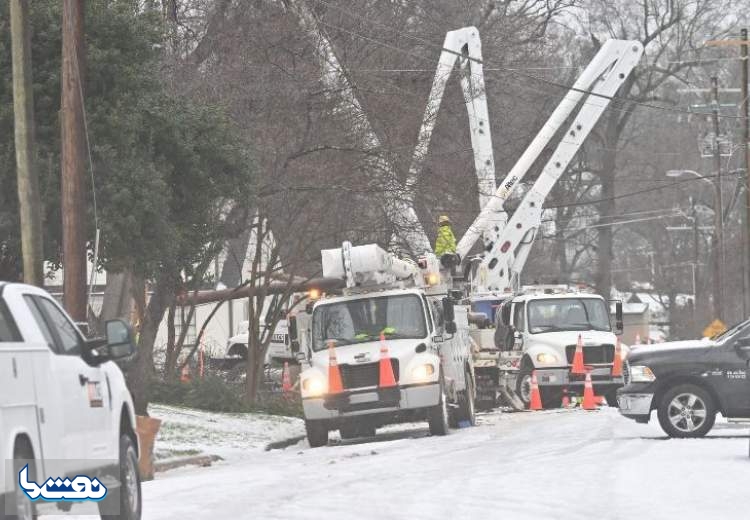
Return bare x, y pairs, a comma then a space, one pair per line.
444, 219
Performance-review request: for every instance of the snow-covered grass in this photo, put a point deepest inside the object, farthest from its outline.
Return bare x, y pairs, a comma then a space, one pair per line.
185, 431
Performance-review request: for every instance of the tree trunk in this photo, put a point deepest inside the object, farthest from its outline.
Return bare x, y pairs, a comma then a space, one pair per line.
29, 201
139, 379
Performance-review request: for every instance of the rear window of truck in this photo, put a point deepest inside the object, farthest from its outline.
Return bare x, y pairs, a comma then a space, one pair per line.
8, 330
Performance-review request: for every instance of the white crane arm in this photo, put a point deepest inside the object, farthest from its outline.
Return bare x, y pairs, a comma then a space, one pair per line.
462, 45
612, 51
502, 264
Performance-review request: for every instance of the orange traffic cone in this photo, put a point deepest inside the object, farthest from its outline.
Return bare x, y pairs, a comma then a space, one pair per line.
286, 382
335, 386
589, 401
578, 367
387, 377
536, 398
565, 398
617, 362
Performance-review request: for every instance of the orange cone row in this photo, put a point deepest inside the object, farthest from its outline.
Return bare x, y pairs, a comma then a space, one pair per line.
387, 379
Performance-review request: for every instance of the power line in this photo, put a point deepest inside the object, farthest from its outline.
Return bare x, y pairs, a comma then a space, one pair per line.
614, 98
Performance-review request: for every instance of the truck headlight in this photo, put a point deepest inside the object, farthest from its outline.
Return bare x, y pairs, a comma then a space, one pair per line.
422, 372
641, 374
313, 386
546, 358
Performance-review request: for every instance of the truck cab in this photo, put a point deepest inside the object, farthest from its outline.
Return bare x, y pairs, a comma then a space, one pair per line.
419, 331
689, 382
65, 409
543, 327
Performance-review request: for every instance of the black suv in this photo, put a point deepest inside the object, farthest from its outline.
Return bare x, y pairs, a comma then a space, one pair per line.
688, 382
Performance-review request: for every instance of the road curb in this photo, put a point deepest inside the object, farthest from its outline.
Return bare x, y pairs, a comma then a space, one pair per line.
284, 443
178, 462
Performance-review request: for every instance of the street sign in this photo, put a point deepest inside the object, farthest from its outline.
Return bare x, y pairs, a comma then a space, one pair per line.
714, 328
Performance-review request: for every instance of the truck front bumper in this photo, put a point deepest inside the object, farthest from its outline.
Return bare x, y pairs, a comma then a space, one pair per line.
369, 401
601, 378
635, 406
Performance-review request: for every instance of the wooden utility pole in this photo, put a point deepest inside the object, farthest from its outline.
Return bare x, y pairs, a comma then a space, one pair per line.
73, 161
742, 42
718, 242
29, 201
746, 148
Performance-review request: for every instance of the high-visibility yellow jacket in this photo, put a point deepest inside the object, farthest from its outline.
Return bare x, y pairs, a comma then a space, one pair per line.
446, 242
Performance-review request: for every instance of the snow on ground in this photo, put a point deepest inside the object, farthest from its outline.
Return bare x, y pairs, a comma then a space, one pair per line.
555, 464
185, 431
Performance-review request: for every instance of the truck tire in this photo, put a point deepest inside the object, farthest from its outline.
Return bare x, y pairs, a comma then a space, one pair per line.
124, 502
523, 384
686, 411
466, 404
437, 417
17, 500
317, 433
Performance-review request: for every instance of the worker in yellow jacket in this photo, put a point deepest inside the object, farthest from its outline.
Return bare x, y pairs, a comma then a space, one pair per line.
446, 241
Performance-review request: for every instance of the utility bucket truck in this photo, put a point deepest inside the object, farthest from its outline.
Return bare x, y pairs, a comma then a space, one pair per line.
541, 328
393, 347
493, 278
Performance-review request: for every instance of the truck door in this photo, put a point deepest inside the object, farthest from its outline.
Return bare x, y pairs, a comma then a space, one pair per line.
83, 410
734, 383
18, 412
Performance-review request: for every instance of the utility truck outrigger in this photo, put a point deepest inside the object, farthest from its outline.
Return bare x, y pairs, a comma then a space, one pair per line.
392, 348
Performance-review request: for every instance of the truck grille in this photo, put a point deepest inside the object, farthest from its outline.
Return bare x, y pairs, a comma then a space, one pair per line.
366, 374
594, 355
626, 373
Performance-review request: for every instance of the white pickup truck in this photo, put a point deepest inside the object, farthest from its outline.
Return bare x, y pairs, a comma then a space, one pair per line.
64, 408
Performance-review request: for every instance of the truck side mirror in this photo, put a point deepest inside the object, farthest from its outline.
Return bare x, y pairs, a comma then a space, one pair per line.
505, 314
120, 342
742, 346
293, 334
448, 311
449, 315
618, 318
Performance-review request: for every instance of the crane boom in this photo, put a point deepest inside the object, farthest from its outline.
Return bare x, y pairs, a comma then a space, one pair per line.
462, 45
501, 265
611, 53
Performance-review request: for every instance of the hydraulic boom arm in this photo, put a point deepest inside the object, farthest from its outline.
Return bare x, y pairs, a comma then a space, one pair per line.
502, 264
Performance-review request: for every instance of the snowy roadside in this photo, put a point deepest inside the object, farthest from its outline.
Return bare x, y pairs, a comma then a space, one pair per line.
232, 436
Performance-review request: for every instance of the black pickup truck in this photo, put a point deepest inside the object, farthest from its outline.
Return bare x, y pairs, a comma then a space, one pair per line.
689, 382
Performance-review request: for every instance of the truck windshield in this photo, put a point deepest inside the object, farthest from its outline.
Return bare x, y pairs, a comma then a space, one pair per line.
360, 320
558, 314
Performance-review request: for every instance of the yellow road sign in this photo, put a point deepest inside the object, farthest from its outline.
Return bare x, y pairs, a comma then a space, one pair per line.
715, 327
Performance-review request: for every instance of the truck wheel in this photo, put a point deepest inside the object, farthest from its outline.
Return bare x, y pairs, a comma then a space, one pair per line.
687, 411
124, 502
17, 500
523, 385
317, 433
466, 405
438, 414
612, 399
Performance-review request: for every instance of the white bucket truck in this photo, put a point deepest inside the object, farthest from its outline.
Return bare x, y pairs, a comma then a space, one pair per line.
539, 330
393, 347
